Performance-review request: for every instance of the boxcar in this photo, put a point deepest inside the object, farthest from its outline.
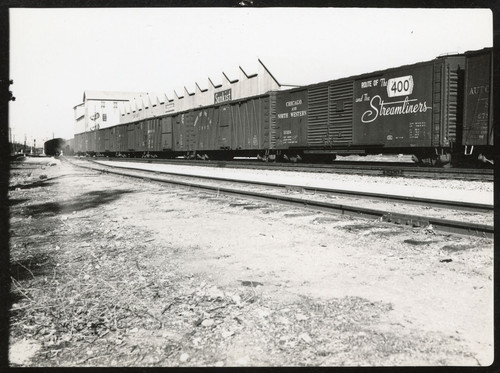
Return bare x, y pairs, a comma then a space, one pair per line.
85, 143
55, 146
79, 143
69, 147
430, 109
478, 131
238, 128
412, 108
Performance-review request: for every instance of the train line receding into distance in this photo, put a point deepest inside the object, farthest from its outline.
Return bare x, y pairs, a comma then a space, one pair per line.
273, 192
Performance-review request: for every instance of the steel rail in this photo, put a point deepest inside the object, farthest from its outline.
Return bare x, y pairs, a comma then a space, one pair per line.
363, 168
448, 204
464, 228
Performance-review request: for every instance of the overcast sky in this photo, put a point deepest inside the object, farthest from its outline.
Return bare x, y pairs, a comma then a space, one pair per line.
57, 54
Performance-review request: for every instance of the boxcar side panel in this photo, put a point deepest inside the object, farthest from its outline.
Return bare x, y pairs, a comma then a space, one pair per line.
183, 132
340, 114
151, 135
101, 140
394, 109
131, 146
77, 144
224, 126
92, 141
250, 123
121, 138
205, 128
166, 133
107, 135
112, 145
317, 126
291, 119
478, 118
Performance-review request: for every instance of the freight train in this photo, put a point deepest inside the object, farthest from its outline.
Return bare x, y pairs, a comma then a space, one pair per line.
438, 111
58, 146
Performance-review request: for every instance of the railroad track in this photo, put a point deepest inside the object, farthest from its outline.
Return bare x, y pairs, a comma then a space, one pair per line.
356, 204
407, 170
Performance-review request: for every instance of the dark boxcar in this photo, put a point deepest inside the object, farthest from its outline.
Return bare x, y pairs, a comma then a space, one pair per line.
54, 146
478, 95
241, 126
395, 110
250, 120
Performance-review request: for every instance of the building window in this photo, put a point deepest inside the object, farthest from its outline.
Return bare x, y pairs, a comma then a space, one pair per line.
104, 117
103, 104
115, 105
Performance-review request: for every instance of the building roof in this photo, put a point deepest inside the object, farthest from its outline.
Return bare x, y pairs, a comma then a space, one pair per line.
111, 95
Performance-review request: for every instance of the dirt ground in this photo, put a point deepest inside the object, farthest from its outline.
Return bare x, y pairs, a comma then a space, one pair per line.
109, 271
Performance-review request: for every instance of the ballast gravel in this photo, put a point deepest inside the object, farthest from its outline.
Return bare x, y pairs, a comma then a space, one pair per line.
469, 191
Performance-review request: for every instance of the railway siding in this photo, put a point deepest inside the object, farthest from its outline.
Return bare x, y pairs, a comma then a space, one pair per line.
301, 188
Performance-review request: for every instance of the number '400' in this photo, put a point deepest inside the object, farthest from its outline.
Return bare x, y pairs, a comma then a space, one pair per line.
401, 86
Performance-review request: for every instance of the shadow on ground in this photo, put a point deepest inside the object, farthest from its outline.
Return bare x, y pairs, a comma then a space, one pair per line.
85, 201
36, 264
36, 184
16, 201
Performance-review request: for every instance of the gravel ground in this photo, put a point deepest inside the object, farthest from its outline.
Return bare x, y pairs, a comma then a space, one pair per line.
118, 272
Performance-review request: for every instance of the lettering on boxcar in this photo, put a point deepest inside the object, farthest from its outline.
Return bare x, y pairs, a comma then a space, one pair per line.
402, 86
206, 124
479, 90
296, 114
417, 130
381, 108
293, 105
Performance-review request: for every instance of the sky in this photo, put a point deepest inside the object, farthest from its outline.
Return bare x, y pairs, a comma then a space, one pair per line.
57, 54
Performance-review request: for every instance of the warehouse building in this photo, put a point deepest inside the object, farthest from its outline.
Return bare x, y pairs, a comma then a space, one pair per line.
100, 109
156, 104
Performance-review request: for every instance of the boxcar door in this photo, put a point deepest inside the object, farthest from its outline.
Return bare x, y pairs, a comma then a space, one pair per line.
224, 124
166, 133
